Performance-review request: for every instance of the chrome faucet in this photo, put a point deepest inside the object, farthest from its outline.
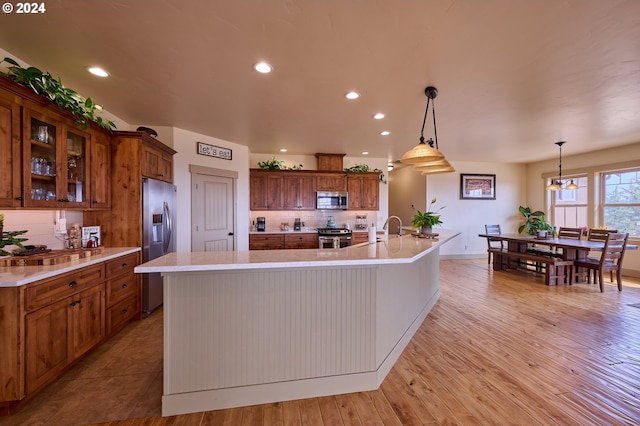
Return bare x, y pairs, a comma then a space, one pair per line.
399, 224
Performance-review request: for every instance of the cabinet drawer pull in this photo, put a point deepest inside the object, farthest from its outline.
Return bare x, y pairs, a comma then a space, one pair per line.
77, 302
124, 265
124, 311
124, 285
73, 284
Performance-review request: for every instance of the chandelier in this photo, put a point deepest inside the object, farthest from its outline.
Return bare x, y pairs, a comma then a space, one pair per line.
426, 157
557, 184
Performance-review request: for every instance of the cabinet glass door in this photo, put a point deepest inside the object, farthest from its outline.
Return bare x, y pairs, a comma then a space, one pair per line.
43, 142
76, 168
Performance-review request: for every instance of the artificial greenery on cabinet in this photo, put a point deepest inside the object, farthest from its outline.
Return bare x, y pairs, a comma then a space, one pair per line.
44, 84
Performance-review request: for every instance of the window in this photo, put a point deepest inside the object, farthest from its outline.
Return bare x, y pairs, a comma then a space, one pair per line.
620, 201
570, 207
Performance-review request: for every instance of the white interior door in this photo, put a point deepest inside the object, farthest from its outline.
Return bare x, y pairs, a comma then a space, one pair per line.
212, 204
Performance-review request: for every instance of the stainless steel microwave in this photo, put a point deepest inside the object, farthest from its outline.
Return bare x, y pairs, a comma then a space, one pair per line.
331, 200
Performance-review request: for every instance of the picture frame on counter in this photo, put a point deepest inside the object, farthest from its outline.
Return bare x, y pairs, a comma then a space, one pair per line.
477, 186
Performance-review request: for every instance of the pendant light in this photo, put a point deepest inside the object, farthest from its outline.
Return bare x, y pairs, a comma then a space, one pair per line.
556, 184
425, 152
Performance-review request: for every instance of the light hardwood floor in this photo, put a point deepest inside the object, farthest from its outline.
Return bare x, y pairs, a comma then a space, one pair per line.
498, 348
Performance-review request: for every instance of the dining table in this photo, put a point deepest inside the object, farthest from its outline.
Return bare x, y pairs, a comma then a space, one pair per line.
542, 254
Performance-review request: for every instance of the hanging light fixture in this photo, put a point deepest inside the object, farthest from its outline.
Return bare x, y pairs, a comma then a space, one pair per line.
425, 153
556, 184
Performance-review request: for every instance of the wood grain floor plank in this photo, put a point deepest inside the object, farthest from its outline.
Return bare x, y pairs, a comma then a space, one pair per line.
347, 409
366, 409
273, 415
383, 407
329, 410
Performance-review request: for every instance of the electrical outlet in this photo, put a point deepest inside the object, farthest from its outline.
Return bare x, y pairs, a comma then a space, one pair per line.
62, 225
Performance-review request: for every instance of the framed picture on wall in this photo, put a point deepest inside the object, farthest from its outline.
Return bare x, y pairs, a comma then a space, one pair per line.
477, 187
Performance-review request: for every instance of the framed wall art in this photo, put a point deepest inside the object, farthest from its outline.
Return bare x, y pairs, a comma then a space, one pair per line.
477, 187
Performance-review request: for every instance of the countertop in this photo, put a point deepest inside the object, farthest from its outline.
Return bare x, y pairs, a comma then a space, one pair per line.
391, 249
15, 276
305, 231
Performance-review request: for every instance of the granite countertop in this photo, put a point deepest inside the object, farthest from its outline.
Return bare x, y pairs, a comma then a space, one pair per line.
391, 249
15, 276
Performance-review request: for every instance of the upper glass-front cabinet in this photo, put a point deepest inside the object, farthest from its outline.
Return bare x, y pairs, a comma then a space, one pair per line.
55, 162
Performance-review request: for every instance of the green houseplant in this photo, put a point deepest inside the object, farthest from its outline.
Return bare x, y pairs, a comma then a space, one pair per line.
534, 221
364, 168
44, 84
427, 220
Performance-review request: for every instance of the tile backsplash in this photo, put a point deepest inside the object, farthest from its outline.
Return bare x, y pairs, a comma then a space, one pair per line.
315, 218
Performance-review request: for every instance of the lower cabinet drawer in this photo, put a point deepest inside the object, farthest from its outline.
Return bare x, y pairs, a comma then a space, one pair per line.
121, 288
122, 265
120, 313
45, 292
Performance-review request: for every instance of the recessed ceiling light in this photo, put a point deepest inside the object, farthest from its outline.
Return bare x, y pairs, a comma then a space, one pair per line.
283, 150
263, 67
365, 152
352, 95
385, 133
379, 116
98, 71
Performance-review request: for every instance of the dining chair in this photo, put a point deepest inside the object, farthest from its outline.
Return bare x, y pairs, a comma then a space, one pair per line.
596, 234
610, 260
492, 243
600, 234
571, 233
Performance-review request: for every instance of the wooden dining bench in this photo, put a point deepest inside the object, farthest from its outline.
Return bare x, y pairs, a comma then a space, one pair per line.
556, 270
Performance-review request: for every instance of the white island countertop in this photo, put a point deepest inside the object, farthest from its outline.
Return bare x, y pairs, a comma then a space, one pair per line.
389, 250
14, 276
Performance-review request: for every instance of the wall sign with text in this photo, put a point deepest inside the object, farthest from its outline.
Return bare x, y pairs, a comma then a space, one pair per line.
214, 151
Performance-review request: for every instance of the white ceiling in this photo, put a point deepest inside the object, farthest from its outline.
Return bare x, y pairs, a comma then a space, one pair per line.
513, 77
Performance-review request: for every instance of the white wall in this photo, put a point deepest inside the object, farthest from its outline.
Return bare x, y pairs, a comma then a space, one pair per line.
184, 142
40, 226
470, 216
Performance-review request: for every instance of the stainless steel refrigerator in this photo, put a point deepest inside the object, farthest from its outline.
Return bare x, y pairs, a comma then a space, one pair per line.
158, 236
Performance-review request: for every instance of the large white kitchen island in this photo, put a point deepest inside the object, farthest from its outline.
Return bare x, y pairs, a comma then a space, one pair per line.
251, 327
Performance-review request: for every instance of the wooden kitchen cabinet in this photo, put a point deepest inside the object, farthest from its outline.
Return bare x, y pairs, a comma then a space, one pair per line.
59, 333
157, 162
46, 160
363, 191
266, 190
122, 292
331, 181
48, 325
10, 158
301, 241
100, 164
122, 225
299, 191
55, 160
266, 241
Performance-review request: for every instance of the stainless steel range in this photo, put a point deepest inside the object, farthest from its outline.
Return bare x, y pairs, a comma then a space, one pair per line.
334, 237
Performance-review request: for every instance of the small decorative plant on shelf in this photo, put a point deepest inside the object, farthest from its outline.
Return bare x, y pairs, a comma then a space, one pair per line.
427, 220
363, 168
274, 164
534, 223
43, 83
9, 238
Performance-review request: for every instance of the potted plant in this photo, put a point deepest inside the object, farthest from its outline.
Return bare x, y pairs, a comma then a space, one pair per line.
534, 223
425, 221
